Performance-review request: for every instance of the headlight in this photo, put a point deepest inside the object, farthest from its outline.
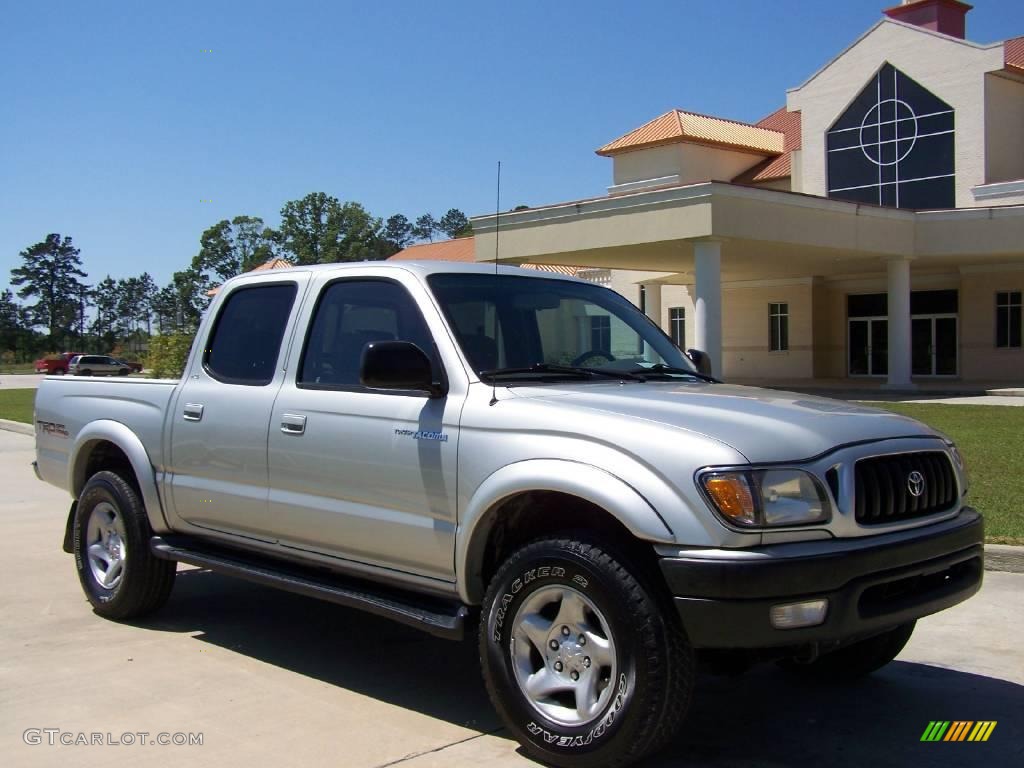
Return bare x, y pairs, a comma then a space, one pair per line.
767, 497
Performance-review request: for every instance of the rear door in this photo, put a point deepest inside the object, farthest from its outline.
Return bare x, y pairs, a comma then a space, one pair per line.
218, 444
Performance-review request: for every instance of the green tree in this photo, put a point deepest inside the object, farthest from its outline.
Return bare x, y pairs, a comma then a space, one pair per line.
455, 224
425, 227
50, 273
320, 230
105, 324
190, 293
309, 228
397, 232
16, 336
229, 248
165, 309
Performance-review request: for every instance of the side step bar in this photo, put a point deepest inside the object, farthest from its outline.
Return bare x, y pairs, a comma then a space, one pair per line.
435, 616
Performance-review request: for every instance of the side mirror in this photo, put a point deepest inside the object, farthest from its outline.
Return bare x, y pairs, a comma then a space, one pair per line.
398, 365
701, 361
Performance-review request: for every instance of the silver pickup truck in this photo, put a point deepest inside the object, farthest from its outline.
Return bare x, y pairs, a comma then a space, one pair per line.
451, 444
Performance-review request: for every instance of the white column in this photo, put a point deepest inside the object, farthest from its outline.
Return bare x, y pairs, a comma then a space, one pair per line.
652, 302
898, 288
707, 301
652, 308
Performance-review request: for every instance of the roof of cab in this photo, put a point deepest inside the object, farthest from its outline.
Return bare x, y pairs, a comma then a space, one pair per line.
419, 268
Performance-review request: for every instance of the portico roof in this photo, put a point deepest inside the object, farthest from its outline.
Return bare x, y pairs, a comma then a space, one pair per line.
764, 233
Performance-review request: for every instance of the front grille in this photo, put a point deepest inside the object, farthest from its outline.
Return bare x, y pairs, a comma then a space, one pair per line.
882, 487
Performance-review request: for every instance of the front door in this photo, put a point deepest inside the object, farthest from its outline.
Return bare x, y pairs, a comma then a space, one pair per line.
361, 474
218, 452
868, 346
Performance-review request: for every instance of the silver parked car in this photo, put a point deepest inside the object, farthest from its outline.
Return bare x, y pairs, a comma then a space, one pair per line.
97, 365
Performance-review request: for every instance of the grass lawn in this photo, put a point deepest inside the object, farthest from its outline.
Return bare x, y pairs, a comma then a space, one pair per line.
18, 368
991, 440
16, 404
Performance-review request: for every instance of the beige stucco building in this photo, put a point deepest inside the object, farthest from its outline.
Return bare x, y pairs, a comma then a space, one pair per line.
872, 228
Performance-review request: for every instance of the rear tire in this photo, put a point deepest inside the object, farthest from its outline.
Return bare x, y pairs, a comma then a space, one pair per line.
119, 575
582, 661
856, 660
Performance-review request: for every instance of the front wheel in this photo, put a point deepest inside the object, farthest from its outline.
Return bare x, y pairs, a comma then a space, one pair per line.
119, 575
582, 661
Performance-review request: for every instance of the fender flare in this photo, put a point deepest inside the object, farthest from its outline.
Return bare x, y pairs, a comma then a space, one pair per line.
106, 430
585, 481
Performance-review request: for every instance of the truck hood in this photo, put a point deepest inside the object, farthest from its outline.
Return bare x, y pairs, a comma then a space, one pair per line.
763, 425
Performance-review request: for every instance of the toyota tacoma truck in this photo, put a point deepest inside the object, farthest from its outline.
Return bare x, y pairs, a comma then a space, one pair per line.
525, 456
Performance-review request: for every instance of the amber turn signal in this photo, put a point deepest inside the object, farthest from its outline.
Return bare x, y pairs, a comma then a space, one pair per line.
731, 494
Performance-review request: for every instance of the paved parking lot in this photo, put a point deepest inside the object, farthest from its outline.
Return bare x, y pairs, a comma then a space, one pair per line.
20, 380
275, 679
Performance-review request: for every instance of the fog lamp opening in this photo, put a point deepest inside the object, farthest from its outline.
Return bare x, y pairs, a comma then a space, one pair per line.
809, 613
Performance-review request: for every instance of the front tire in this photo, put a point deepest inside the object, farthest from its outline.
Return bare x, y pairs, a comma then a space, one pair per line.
119, 575
585, 665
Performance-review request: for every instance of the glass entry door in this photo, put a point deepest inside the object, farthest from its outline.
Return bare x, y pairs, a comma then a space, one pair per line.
869, 346
934, 345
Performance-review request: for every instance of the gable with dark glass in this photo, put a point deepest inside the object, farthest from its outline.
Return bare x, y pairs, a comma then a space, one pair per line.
893, 146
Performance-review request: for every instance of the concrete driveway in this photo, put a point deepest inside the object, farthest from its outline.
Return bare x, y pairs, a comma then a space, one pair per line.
275, 679
21, 380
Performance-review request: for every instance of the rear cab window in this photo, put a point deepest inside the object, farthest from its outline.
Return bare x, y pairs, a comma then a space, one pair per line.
245, 342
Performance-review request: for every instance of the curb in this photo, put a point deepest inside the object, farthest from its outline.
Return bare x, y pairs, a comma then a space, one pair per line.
1004, 557
17, 426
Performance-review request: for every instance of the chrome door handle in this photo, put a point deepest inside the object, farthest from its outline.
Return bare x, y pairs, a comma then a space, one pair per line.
193, 412
293, 424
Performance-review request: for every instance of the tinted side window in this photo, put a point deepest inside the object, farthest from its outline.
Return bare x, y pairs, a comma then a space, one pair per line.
349, 315
246, 338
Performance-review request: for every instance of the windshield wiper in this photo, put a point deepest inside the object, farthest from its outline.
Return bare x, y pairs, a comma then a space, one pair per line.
668, 369
571, 370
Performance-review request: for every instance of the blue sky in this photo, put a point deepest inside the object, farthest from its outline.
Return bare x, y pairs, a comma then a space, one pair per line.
117, 126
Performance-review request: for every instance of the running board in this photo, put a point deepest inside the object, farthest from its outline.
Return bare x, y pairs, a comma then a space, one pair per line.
438, 617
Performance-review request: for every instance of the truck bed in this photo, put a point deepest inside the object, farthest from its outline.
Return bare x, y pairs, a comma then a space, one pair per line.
65, 405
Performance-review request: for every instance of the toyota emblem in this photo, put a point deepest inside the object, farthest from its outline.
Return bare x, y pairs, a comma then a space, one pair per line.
915, 483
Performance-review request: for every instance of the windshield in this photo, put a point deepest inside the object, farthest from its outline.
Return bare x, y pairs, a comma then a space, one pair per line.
510, 324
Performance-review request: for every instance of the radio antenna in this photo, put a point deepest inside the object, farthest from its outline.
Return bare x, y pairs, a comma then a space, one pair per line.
497, 234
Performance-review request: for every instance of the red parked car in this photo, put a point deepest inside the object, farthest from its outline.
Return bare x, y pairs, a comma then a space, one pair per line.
55, 365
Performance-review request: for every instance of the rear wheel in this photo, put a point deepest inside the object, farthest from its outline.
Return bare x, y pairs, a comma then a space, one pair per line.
584, 664
119, 575
857, 659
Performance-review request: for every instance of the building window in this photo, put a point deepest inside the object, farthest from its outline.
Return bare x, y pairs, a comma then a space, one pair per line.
778, 315
643, 299
601, 333
677, 326
1008, 317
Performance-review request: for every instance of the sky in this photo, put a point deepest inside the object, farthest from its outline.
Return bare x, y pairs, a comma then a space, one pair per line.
132, 127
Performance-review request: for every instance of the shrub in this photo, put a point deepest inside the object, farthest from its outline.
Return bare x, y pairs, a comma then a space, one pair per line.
168, 354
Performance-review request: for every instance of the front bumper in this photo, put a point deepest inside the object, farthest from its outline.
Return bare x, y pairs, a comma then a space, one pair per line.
872, 584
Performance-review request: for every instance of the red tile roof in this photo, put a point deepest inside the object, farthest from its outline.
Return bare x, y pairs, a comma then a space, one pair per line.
1013, 54
781, 167
677, 126
460, 249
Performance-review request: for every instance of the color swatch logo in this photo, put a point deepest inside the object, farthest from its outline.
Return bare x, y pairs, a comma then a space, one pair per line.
958, 730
